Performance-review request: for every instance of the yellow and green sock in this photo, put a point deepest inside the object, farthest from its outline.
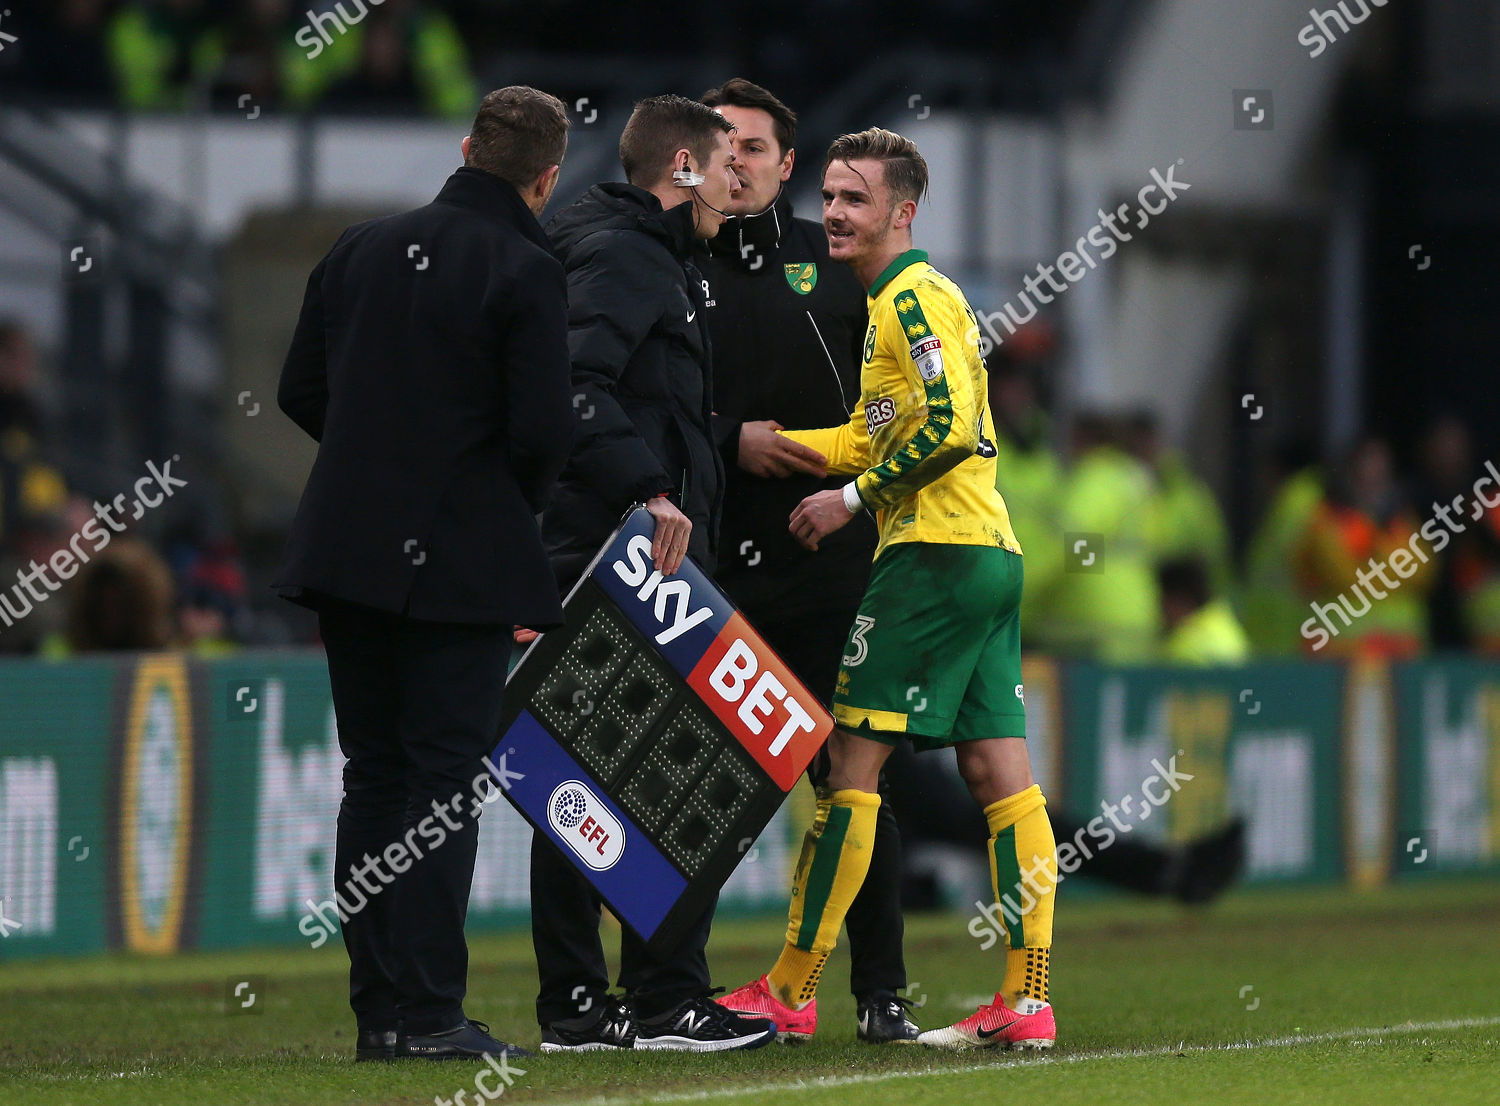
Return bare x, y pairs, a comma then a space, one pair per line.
835, 859
1023, 870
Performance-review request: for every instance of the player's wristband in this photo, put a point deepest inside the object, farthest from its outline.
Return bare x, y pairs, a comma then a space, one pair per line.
851, 497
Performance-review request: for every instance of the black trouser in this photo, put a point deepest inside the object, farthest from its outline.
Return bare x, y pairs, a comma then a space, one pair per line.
570, 955
813, 648
418, 707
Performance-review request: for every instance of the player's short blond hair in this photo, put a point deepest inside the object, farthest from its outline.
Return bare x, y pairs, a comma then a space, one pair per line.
905, 167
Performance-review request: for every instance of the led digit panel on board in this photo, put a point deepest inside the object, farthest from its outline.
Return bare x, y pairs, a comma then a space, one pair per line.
654, 735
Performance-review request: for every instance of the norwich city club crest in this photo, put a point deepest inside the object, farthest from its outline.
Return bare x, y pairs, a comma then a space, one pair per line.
802, 276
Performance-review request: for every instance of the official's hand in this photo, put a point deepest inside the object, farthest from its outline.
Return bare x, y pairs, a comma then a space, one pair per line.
819, 515
669, 545
524, 636
763, 452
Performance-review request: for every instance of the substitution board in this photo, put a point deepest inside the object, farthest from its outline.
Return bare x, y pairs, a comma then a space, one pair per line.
654, 735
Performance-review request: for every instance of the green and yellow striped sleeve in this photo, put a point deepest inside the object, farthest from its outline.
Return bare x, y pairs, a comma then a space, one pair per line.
932, 356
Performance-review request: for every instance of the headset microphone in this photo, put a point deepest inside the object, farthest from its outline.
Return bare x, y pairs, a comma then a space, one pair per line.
686, 178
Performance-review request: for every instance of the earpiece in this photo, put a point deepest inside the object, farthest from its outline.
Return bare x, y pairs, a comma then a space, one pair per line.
686, 178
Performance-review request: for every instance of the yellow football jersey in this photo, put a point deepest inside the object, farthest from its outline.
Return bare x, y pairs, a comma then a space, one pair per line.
917, 439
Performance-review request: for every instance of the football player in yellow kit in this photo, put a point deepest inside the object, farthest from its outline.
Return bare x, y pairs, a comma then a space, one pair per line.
934, 655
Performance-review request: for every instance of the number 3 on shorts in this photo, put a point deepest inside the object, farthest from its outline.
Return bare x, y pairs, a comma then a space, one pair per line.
863, 624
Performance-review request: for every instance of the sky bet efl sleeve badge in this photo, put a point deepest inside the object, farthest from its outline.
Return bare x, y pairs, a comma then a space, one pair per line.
654, 736
926, 347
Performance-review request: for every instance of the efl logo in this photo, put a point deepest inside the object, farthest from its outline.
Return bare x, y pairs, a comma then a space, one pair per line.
767, 709
589, 829
928, 354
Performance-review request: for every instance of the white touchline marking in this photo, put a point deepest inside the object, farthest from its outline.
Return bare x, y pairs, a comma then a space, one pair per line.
818, 1082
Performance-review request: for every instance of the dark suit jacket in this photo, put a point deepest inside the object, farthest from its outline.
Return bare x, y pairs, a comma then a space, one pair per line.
431, 365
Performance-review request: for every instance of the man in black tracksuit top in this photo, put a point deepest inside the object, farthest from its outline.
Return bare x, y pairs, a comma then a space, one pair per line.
639, 342
788, 326
643, 400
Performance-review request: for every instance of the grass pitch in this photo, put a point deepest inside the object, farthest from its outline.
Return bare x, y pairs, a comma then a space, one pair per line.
1311, 996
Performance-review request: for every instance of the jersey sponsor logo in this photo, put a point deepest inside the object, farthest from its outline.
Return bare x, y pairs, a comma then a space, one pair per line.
870, 344
928, 354
756, 696
878, 412
585, 825
802, 276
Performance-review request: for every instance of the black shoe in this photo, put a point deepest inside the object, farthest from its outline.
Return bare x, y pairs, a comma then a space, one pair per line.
611, 1027
883, 1020
702, 1025
464, 1041
375, 1044
1211, 864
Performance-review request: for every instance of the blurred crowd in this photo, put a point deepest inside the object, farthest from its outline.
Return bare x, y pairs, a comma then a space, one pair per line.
169, 580
429, 56
1129, 557
367, 56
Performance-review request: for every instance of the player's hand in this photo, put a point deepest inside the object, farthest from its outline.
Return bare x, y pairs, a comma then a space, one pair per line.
669, 545
763, 452
819, 515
